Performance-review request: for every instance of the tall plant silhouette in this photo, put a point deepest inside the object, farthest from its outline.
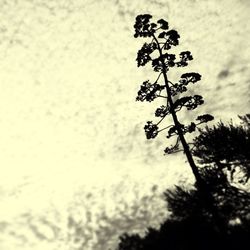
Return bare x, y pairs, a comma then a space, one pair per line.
157, 53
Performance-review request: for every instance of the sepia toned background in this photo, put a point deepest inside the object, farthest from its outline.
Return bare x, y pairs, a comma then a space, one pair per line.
76, 169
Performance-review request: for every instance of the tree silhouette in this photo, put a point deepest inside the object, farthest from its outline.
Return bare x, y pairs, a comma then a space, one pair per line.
156, 53
226, 145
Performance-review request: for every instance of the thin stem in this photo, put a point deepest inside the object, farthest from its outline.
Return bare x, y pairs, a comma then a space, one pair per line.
158, 29
177, 151
177, 141
162, 96
176, 110
158, 77
164, 128
171, 83
197, 124
162, 119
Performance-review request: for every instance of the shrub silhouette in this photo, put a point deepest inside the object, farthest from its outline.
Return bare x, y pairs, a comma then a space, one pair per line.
226, 145
190, 225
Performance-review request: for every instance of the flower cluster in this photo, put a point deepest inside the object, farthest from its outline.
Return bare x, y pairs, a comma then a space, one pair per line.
171, 37
179, 103
163, 23
185, 129
190, 102
143, 55
157, 64
177, 88
173, 149
149, 91
194, 102
204, 118
162, 111
151, 130
189, 128
174, 130
190, 77
168, 60
184, 81
184, 57
143, 27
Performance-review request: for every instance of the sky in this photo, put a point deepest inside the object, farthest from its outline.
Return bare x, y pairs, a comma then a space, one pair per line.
68, 78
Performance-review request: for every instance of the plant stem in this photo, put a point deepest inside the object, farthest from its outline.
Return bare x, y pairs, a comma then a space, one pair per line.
177, 123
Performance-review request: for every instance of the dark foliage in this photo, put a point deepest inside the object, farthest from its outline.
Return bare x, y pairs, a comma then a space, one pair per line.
168, 62
245, 120
183, 82
151, 130
149, 91
143, 55
195, 232
172, 149
184, 57
177, 89
142, 26
190, 102
171, 38
190, 225
164, 24
185, 129
162, 111
226, 145
223, 142
190, 77
204, 118
232, 204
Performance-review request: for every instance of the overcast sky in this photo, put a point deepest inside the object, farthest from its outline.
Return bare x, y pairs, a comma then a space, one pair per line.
69, 79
